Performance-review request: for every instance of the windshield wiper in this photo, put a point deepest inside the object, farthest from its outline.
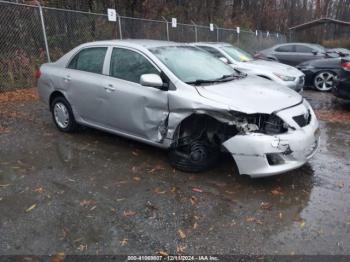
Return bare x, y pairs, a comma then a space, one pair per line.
201, 81
223, 78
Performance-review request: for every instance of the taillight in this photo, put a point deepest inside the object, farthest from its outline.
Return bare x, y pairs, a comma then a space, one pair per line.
346, 66
37, 74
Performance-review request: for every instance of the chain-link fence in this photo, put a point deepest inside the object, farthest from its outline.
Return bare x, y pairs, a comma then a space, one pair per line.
31, 35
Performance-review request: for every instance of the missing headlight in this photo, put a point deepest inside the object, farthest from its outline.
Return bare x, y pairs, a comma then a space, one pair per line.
263, 123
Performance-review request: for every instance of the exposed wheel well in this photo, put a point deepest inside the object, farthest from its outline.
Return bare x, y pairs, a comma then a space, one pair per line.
53, 96
197, 125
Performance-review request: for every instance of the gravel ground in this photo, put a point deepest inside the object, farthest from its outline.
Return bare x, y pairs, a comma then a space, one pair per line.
96, 193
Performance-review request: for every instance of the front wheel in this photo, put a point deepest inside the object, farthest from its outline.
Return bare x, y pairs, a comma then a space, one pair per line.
62, 115
196, 157
324, 81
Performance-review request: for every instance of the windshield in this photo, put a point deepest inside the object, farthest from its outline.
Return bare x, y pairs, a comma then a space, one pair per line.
191, 64
237, 54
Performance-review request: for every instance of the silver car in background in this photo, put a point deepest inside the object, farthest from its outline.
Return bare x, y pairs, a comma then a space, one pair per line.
179, 97
283, 74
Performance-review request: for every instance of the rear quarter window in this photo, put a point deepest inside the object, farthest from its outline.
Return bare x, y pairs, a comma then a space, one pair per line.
89, 60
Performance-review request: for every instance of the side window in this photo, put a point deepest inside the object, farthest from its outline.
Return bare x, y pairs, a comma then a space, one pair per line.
303, 49
89, 60
129, 65
285, 48
211, 50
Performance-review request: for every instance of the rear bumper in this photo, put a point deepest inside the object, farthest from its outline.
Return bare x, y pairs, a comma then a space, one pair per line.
293, 149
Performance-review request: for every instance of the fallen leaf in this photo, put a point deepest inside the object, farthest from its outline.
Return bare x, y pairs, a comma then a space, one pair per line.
136, 178
198, 190
277, 191
229, 192
39, 190
124, 242
173, 189
82, 247
30, 208
250, 219
266, 205
193, 200
302, 224
181, 234
163, 253
280, 215
158, 191
135, 153
195, 225
86, 203
6, 185
91, 209
156, 168
59, 257
129, 213
180, 249
258, 221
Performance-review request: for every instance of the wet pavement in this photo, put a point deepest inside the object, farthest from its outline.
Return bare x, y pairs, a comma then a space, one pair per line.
96, 193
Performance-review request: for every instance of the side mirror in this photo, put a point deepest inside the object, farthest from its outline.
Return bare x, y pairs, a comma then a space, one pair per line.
314, 52
152, 80
224, 59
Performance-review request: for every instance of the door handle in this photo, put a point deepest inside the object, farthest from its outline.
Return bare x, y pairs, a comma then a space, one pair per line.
110, 88
67, 78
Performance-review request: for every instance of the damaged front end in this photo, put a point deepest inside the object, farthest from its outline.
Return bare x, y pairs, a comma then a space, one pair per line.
285, 143
261, 144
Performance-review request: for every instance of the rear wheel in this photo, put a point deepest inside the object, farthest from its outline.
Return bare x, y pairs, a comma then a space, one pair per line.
199, 155
62, 115
324, 81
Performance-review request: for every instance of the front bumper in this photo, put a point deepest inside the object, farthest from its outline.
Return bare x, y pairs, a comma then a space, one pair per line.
294, 148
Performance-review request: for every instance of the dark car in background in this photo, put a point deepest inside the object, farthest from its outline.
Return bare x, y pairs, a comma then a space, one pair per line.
321, 73
293, 53
340, 51
342, 87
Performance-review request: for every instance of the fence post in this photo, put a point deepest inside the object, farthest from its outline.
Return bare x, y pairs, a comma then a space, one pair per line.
167, 28
195, 31
217, 33
120, 27
44, 33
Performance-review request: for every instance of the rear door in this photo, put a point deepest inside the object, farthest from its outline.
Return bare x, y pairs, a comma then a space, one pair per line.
85, 83
305, 53
131, 108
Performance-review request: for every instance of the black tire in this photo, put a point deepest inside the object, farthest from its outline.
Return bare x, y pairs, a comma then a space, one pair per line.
69, 126
200, 156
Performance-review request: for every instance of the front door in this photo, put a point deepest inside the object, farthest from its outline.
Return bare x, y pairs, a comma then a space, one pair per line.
131, 108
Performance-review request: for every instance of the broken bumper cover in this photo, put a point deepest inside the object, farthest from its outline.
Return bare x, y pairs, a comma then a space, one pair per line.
259, 155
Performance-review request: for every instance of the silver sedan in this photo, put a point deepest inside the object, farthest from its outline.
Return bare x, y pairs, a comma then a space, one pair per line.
180, 98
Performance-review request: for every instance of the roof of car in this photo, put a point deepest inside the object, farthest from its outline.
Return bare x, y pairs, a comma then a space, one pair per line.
136, 42
212, 43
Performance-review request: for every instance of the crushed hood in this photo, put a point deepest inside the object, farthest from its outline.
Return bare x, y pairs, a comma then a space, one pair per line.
251, 94
271, 66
